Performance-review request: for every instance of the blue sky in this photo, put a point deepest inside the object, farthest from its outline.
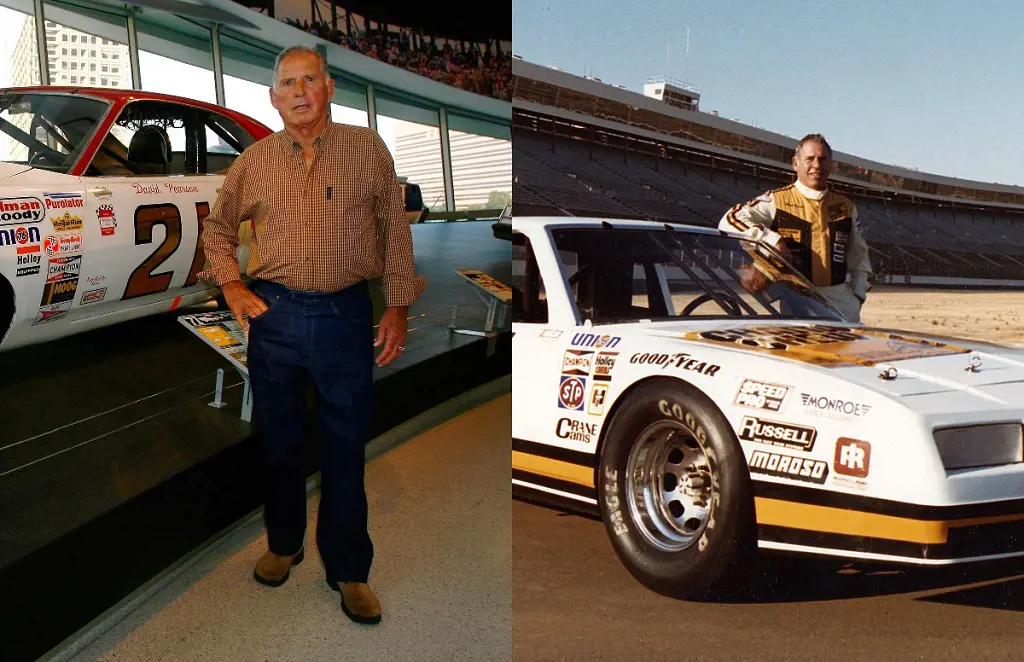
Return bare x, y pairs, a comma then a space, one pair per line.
937, 86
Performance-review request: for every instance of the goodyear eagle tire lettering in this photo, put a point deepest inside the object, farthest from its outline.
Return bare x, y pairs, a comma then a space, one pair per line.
675, 493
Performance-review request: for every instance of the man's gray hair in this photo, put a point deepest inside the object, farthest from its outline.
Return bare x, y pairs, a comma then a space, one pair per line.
293, 50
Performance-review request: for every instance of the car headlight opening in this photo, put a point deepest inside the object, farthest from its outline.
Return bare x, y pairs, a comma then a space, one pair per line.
974, 446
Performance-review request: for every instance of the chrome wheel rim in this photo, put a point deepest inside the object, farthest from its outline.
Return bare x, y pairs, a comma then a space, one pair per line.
669, 486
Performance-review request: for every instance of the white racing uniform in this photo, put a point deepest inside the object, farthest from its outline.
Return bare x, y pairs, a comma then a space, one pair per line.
821, 230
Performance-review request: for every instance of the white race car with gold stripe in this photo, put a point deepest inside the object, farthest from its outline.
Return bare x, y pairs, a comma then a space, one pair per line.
700, 396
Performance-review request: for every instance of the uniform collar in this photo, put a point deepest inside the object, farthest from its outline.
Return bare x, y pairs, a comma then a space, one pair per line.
809, 192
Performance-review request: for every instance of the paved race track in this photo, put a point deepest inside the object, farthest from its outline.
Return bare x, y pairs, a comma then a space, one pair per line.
573, 600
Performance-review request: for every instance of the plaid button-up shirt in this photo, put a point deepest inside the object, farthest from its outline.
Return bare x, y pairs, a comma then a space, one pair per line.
322, 229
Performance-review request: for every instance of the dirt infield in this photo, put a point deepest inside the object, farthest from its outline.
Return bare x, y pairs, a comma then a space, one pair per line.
980, 314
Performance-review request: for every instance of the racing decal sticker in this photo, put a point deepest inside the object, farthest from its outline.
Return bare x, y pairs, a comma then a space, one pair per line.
92, 296
64, 200
95, 280
598, 395
827, 346
59, 291
571, 430
20, 210
604, 362
788, 466
680, 361
576, 362
52, 312
66, 223
106, 219
55, 244
550, 333
821, 406
853, 457
774, 433
761, 395
571, 392
19, 236
594, 340
839, 247
61, 268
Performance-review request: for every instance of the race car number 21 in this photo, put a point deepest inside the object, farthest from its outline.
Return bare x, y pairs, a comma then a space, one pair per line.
143, 281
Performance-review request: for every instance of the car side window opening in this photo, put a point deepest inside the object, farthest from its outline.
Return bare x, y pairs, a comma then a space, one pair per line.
529, 304
48, 131
637, 274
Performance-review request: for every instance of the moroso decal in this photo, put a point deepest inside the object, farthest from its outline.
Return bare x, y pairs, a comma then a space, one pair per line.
788, 466
827, 346
774, 433
20, 210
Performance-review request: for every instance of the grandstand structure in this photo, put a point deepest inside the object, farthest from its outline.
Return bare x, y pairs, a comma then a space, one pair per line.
585, 148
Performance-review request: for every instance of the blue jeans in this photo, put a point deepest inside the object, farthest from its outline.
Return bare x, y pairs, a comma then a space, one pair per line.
328, 339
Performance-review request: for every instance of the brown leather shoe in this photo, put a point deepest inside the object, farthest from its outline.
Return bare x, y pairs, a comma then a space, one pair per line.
358, 601
273, 570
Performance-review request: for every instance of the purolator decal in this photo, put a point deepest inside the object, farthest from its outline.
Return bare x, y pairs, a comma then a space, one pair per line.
827, 346
64, 201
21, 210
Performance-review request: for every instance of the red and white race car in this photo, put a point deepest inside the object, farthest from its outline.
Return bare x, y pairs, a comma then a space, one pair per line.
102, 198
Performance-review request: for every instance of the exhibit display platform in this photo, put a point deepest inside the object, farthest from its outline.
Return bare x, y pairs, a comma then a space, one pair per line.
118, 457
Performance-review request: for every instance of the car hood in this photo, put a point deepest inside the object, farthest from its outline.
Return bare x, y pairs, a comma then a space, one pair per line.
917, 364
12, 169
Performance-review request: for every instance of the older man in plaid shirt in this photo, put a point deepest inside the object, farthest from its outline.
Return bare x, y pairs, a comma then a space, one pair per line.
328, 216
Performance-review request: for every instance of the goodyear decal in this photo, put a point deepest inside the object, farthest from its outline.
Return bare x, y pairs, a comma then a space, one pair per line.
826, 345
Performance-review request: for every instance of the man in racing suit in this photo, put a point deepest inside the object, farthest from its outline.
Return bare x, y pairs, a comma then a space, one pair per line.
813, 228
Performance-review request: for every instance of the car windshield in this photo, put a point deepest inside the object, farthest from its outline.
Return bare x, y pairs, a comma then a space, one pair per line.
47, 131
628, 274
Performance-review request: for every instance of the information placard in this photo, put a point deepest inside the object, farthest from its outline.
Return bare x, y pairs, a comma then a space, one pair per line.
220, 330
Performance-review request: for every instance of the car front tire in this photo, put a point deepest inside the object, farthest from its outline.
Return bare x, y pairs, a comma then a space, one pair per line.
675, 494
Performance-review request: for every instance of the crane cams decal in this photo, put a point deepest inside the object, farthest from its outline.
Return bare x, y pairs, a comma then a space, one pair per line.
761, 395
14, 211
788, 466
774, 433
567, 428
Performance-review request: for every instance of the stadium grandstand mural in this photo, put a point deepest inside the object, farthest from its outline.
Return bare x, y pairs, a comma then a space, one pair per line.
585, 148
481, 66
